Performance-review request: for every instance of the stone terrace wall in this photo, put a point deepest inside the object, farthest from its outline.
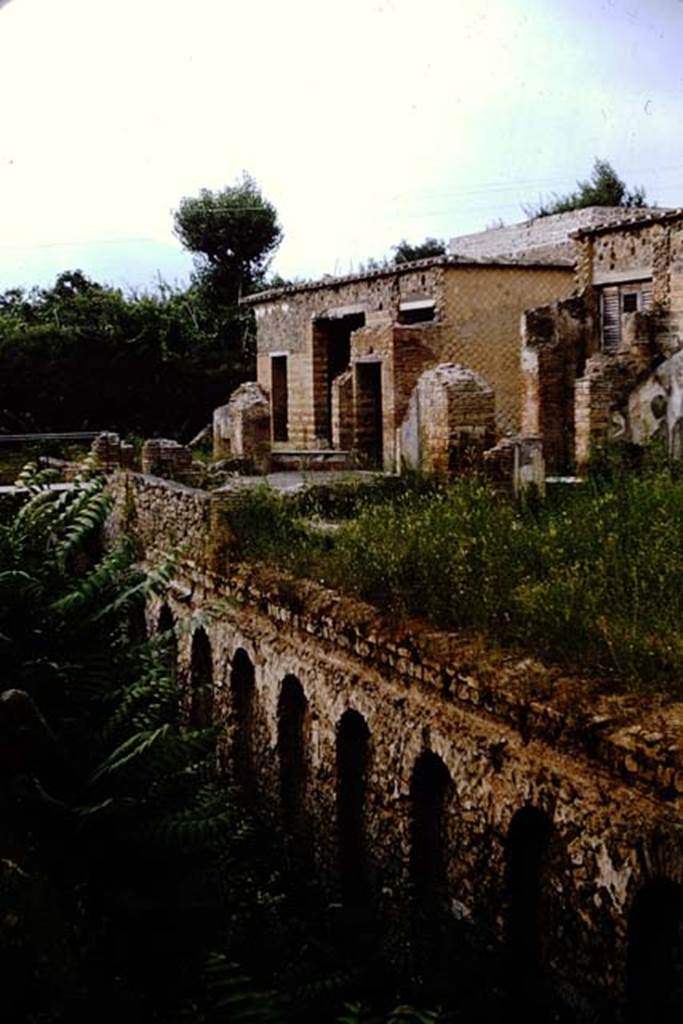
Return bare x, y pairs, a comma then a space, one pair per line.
511, 733
169, 519
605, 771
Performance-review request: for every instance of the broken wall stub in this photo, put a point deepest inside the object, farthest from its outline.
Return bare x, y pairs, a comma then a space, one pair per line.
556, 341
111, 453
602, 395
166, 458
516, 464
242, 428
449, 423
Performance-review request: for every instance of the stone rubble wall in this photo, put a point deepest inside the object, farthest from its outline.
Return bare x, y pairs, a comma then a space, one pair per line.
606, 770
166, 458
511, 733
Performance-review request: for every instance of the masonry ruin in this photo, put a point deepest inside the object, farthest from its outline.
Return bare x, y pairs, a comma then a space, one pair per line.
607, 363
356, 371
347, 362
506, 803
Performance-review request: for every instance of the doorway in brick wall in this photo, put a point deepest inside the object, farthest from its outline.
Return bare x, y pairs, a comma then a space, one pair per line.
331, 356
278, 397
369, 439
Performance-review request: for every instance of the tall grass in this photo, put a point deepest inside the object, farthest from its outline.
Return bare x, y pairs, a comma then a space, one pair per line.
591, 579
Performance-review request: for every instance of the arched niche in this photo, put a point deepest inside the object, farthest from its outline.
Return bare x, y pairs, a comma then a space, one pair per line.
353, 757
655, 954
201, 680
429, 786
527, 849
242, 701
292, 728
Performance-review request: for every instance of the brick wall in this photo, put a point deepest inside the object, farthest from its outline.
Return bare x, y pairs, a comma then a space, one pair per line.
482, 310
450, 421
477, 317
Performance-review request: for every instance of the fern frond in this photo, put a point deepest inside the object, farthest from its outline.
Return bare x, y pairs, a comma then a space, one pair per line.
89, 591
85, 515
130, 750
234, 1000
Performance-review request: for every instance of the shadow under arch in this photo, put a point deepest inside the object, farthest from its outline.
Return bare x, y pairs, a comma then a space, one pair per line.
353, 758
527, 849
654, 966
242, 701
201, 681
292, 730
166, 625
429, 786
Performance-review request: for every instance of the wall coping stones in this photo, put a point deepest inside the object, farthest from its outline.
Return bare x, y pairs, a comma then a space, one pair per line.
648, 217
634, 738
331, 283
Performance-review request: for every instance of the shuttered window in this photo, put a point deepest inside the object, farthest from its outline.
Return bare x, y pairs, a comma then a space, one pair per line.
611, 318
617, 299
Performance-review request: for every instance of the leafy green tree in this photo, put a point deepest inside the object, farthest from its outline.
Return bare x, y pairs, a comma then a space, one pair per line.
405, 252
233, 232
109, 822
603, 188
84, 356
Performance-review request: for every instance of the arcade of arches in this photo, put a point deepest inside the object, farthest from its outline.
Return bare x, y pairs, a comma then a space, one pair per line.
404, 796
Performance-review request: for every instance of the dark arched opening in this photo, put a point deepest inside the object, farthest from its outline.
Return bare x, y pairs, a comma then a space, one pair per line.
291, 725
655, 954
242, 690
353, 740
166, 630
526, 852
168, 642
432, 933
428, 789
201, 681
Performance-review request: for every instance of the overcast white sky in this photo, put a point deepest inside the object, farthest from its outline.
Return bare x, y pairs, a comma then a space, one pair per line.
364, 121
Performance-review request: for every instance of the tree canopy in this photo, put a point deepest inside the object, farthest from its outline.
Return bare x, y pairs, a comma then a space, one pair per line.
84, 356
603, 188
233, 232
406, 252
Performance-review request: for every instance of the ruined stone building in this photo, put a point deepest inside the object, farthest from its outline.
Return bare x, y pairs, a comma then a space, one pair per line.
416, 364
607, 363
341, 359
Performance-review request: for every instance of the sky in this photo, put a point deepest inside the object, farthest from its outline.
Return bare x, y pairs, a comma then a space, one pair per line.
363, 121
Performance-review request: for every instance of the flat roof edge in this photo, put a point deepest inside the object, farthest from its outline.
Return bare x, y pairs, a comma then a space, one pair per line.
630, 225
406, 268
